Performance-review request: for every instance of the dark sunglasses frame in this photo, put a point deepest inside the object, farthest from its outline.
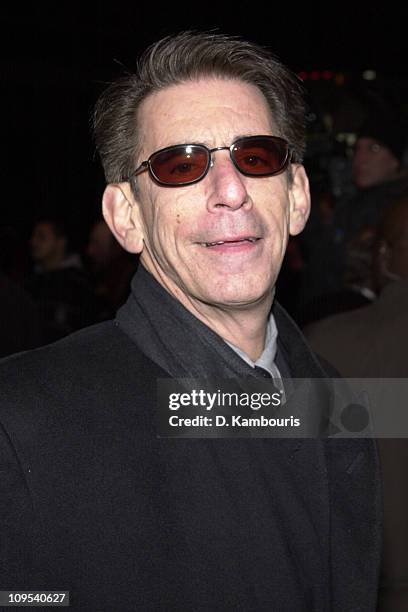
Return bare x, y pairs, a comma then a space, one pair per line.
147, 164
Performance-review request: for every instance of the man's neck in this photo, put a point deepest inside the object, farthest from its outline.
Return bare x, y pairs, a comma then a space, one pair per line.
244, 329
244, 326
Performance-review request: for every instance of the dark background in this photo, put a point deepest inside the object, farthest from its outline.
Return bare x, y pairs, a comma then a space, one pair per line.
56, 58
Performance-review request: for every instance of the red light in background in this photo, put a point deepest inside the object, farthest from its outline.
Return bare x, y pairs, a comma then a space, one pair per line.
316, 75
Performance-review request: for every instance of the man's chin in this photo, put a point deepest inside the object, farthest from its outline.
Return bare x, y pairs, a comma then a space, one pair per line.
240, 300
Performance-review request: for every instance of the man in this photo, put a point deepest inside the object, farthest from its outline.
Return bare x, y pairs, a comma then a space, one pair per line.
49, 246
59, 286
20, 326
379, 177
371, 343
202, 153
356, 342
357, 290
377, 171
377, 153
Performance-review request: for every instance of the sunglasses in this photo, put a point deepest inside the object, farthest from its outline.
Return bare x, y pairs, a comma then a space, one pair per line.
186, 164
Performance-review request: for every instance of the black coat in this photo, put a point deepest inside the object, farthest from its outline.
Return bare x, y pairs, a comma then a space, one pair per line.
93, 502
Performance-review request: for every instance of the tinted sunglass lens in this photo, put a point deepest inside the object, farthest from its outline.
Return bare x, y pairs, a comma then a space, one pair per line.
260, 156
180, 165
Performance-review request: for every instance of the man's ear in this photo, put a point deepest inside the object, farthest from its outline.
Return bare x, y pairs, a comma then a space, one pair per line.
121, 213
299, 195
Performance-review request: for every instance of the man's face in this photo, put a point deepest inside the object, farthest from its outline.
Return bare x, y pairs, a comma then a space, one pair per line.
44, 243
373, 163
182, 225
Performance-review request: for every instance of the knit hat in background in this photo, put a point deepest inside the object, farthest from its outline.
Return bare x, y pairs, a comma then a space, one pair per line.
387, 131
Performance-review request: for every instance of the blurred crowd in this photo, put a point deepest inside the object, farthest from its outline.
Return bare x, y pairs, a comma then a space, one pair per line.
58, 290
355, 245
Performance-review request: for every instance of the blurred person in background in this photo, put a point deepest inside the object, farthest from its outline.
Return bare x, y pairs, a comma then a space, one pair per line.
358, 288
58, 284
49, 247
377, 156
316, 245
372, 342
111, 267
379, 178
377, 171
20, 325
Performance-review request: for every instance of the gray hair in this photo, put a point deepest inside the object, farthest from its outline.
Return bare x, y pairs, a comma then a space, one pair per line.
189, 56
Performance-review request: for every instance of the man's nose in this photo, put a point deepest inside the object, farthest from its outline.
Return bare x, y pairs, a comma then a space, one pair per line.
227, 186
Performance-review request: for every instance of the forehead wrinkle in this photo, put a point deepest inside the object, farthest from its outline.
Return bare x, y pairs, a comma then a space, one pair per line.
212, 141
177, 127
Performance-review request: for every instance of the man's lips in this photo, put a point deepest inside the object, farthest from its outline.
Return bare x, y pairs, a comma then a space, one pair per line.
231, 241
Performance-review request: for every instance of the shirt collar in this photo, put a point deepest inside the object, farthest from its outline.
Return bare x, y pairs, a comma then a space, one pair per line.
267, 358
